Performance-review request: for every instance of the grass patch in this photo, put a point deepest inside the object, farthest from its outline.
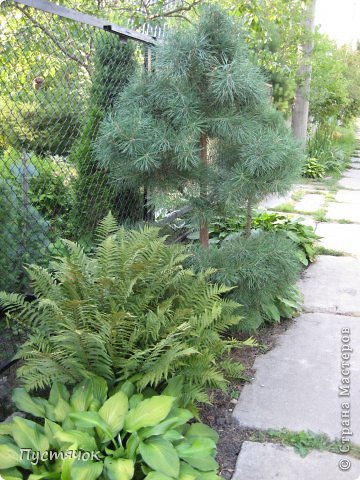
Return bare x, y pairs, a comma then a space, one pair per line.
344, 221
320, 250
298, 195
284, 207
303, 442
320, 215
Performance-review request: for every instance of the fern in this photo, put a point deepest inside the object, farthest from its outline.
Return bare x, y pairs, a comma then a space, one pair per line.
128, 310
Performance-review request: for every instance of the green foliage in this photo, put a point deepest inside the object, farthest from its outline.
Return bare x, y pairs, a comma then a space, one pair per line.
274, 31
304, 236
114, 63
200, 123
313, 168
130, 435
23, 237
263, 269
128, 309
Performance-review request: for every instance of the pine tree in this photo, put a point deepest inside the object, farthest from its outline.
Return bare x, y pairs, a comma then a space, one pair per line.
200, 122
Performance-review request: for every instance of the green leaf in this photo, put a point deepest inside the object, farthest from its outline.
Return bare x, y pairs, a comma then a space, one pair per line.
81, 470
82, 440
11, 474
148, 413
114, 411
177, 417
51, 429
90, 420
27, 435
132, 445
10, 456
201, 430
160, 455
62, 410
25, 403
45, 476
187, 472
120, 469
199, 454
58, 390
157, 476
82, 396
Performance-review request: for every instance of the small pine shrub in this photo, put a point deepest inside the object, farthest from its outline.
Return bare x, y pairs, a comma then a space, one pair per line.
262, 270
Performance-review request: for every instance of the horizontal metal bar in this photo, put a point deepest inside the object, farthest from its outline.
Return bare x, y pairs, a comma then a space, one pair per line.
87, 20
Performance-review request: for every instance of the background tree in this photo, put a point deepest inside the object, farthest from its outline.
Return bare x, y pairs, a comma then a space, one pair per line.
114, 63
199, 122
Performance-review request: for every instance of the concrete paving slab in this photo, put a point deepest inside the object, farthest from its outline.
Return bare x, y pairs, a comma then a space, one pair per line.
348, 196
296, 384
275, 200
352, 173
350, 183
332, 284
310, 203
267, 461
341, 237
344, 211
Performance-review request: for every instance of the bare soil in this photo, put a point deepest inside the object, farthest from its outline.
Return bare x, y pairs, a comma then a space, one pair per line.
219, 414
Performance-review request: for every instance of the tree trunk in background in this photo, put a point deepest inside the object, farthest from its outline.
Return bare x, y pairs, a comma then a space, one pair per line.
204, 230
301, 106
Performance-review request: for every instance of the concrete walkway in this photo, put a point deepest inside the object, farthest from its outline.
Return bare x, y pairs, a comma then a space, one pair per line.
301, 384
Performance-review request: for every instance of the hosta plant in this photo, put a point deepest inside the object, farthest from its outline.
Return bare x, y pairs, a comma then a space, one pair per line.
313, 169
88, 434
130, 308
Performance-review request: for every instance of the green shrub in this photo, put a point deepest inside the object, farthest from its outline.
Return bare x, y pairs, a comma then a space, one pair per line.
263, 269
304, 236
313, 169
23, 237
130, 435
128, 309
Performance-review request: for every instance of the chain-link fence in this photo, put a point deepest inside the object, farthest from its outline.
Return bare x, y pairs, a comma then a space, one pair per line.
59, 78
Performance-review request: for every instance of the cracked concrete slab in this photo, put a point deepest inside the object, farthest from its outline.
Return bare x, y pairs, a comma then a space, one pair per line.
350, 183
343, 211
348, 196
296, 384
267, 461
341, 237
310, 203
332, 284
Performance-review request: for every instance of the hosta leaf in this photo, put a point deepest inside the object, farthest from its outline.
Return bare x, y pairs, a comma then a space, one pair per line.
25, 403
27, 435
114, 411
201, 430
58, 390
160, 455
91, 420
187, 472
11, 474
119, 469
51, 429
81, 470
157, 476
199, 454
82, 396
148, 413
62, 410
10, 457
45, 476
82, 440
172, 436
177, 417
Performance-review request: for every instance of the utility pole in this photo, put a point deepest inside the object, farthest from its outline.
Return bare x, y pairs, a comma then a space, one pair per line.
301, 105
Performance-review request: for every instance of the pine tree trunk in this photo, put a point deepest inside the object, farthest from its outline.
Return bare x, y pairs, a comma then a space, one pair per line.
248, 218
204, 230
301, 106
